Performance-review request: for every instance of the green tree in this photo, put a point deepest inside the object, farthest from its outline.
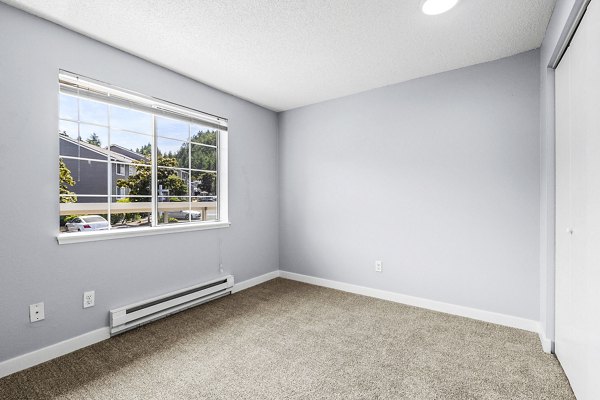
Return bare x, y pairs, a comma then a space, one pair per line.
202, 157
208, 182
94, 139
206, 137
65, 181
140, 183
145, 150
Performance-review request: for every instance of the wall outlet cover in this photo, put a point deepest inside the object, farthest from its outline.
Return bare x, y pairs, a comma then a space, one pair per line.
89, 299
378, 266
36, 312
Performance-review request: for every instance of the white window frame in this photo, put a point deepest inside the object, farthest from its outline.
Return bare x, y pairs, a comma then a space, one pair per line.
121, 192
165, 108
123, 166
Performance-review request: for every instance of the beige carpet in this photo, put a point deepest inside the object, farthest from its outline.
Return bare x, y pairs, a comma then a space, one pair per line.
288, 340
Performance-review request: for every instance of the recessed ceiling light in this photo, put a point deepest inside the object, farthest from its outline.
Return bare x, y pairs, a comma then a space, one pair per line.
435, 7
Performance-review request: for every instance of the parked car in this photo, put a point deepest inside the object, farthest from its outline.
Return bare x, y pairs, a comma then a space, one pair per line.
185, 214
87, 223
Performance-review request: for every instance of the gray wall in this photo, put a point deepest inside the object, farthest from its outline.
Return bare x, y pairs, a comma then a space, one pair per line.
562, 12
438, 177
33, 267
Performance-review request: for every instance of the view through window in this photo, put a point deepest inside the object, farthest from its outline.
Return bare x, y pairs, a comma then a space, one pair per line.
128, 161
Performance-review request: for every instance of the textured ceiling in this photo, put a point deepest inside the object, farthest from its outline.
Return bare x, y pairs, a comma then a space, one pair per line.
289, 53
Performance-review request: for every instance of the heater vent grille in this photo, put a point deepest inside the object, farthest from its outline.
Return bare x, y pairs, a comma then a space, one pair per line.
174, 296
136, 314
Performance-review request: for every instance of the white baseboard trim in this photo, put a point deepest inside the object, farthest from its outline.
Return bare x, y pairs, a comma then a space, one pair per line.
42, 355
547, 344
237, 287
36, 357
67, 346
482, 315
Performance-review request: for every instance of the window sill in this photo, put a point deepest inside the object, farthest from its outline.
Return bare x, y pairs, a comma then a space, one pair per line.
79, 237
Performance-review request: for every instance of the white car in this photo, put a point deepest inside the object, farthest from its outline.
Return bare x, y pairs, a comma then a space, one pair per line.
185, 214
87, 223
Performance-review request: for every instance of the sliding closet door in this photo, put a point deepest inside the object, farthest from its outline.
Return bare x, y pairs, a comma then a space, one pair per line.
578, 208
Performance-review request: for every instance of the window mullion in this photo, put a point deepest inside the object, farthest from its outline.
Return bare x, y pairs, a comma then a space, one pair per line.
109, 173
218, 178
189, 144
154, 167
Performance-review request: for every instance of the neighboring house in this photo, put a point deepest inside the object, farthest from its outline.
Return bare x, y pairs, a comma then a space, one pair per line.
91, 177
181, 173
127, 153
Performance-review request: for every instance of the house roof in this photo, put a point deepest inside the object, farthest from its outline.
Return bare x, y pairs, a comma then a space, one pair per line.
115, 156
115, 148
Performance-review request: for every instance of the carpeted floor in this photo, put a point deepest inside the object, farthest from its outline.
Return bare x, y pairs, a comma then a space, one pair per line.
288, 340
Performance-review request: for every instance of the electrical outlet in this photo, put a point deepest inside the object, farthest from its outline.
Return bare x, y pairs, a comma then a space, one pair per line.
36, 312
89, 299
378, 266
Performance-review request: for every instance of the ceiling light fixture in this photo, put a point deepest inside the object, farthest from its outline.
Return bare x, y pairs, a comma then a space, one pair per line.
435, 7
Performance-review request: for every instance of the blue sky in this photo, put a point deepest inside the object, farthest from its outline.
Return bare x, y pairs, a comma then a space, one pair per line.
92, 112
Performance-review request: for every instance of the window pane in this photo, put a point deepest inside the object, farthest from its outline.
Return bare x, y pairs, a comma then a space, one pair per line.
137, 180
172, 128
132, 120
172, 153
172, 186
83, 216
204, 184
207, 209
94, 135
67, 128
83, 178
171, 182
203, 158
119, 169
129, 147
76, 148
130, 212
93, 112
175, 210
203, 134
68, 107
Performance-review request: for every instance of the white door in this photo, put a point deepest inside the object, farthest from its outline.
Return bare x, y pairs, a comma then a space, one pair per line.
578, 208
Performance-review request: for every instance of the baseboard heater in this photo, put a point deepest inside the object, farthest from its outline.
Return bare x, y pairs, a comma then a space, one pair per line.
134, 315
